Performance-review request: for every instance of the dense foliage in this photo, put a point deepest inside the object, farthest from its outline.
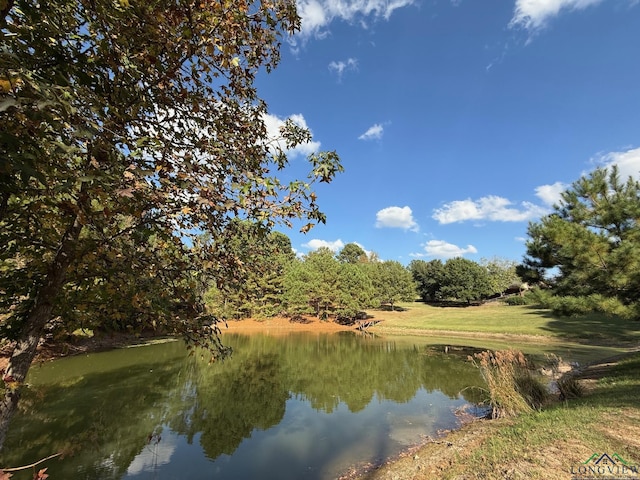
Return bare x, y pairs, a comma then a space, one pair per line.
463, 280
591, 244
319, 284
129, 129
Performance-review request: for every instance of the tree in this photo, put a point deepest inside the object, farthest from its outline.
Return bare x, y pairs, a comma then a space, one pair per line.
128, 130
312, 285
428, 277
464, 280
352, 253
356, 291
502, 273
393, 282
592, 238
322, 280
255, 291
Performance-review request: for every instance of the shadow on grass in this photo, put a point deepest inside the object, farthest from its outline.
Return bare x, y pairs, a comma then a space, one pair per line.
453, 304
617, 385
387, 307
592, 329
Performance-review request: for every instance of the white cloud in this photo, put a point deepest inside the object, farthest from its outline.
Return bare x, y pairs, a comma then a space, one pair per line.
628, 162
316, 243
273, 124
550, 194
342, 66
442, 249
492, 207
313, 15
374, 132
396, 217
316, 15
534, 14
150, 458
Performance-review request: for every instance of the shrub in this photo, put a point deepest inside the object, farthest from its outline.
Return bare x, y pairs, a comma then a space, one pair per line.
513, 388
572, 306
539, 297
299, 319
568, 306
516, 300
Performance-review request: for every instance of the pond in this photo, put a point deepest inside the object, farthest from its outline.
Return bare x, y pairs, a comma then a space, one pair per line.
297, 406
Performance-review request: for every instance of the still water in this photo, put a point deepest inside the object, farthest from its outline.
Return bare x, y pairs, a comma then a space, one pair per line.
300, 406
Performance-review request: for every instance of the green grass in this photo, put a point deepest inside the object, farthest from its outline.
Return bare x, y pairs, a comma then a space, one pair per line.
499, 319
607, 420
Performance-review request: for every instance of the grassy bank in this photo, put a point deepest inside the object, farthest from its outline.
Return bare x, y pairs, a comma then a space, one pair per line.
554, 443
497, 319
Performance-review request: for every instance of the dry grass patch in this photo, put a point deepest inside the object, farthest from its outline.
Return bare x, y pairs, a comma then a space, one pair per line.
623, 426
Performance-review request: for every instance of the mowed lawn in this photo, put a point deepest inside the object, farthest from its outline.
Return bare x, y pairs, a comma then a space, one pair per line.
500, 319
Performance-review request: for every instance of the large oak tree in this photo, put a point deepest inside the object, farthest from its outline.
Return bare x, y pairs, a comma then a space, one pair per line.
129, 128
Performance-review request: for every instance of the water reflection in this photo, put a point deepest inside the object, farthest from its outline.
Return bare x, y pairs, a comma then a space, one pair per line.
303, 406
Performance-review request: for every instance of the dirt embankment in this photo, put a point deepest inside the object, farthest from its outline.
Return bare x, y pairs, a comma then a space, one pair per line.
281, 325
80, 345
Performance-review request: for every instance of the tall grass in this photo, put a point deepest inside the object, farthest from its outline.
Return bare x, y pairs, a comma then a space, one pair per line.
513, 388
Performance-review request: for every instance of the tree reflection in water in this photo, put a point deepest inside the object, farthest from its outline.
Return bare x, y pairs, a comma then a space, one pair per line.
279, 408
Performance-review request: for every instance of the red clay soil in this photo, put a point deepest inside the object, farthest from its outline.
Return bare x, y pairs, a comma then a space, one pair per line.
281, 325
271, 326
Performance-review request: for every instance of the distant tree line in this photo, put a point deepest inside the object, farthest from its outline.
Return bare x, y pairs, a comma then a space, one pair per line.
327, 285
320, 284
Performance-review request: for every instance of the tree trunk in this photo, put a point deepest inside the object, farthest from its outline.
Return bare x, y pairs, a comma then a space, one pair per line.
37, 318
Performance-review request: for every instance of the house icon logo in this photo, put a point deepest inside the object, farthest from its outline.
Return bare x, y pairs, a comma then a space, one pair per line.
606, 460
605, 465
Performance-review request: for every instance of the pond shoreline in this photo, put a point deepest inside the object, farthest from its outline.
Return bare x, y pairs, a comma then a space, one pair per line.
428, 459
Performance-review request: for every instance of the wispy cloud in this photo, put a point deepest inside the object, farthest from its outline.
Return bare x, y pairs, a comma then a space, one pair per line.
316, 15
535, 14
316, 243
343, 66
396, 217
373, 133
274, 123
444, 250
492, 208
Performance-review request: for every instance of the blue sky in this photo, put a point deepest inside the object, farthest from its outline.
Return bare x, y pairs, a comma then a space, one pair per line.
457, 121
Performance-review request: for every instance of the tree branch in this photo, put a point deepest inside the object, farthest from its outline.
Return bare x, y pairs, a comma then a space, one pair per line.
24, 467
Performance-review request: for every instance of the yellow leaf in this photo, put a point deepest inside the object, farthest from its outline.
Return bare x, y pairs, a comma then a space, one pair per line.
235, 62
5, 86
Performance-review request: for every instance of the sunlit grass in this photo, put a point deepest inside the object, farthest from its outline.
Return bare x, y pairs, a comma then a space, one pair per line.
500, 319
603, 421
